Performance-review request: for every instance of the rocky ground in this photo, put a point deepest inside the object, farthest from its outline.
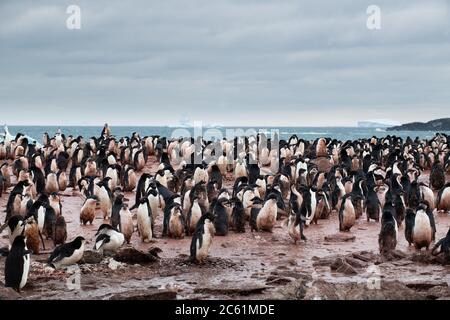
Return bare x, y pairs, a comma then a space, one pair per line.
330, 265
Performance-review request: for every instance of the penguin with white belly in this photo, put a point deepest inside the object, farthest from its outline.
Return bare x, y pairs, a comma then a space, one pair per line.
424, 228
108, 239
347, 214
202, 238
145, 220
17, 264
126, 223
67, 254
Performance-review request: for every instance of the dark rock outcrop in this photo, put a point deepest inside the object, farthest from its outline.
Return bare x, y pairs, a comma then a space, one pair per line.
433, 125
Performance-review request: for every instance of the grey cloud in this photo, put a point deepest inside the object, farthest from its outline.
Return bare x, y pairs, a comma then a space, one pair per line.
232, 62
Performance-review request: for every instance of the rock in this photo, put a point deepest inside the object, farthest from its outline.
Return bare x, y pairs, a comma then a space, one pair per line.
292, 274
438, 292
325, 261
92, 257
322, 290
243, 289
355, 263
8, 293
132, 255
272, 280
145, 295
365, 256
341, 266
114, 265
425, 284
340, 237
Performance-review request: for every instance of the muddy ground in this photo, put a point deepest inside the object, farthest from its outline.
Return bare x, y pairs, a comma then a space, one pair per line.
330, 265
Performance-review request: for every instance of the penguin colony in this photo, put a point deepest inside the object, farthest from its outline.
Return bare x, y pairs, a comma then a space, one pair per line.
375, 179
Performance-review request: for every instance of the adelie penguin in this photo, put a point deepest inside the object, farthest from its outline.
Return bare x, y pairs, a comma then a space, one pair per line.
437, 176
221, 216
126, 223
108, 239
87, 213
202, 238
60, 232
424, 229
67, 254
347, 214
410, 218
145, 221
17, 264
387, 239
238, 215
443, 247
174, 224
443, 199
265, 218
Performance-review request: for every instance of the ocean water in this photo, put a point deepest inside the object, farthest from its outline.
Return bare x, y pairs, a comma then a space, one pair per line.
307, 133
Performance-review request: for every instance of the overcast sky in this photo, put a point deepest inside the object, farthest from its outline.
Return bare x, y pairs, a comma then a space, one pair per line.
235, 62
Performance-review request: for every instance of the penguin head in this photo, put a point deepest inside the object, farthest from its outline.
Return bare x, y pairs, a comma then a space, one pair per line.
15, 222
79, 241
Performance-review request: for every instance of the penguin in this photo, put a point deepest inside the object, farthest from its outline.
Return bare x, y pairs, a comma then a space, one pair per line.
87, 213
221, 216
49, 222
437, 176
202, 238
387, 239
51, 184
174, 223
267, 216
129, 179
422, 232
115, 211
145, 221
105, 198
443, 199
60, 231
443, 246
108, 239
373, 205
15, 198
17, 264
321, 148
16, 228
62, 180
238, 215
55, 203
347, 214
194, 214
25, 204
126, 223
67, 254
32, 235
410, 218
295, 227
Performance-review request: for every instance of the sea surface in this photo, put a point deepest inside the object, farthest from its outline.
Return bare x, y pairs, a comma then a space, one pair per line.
307, 133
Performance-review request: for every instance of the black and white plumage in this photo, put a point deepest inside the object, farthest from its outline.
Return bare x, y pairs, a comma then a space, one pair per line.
17, 264
67, 254
108, 239
202, 238
387, 239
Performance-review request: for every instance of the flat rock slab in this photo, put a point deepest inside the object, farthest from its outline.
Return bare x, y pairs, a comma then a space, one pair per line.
132, 255
230, 290
145, 295
8, 293
340, 237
